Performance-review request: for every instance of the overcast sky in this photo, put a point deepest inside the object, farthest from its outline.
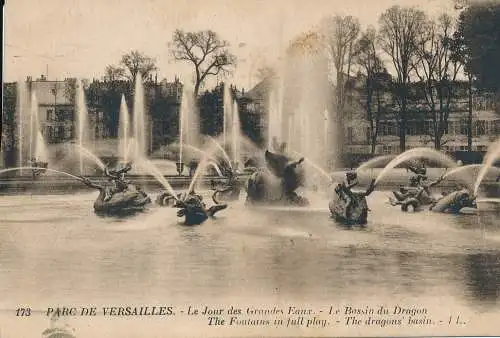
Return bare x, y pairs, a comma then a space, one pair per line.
79, 38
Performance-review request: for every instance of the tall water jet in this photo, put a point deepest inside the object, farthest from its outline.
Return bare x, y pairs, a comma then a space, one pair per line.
21, 108
236, 133
33, 113
326, 118
139, 119
181, 129
492, 155
275, 123
291, 129
123, 132
189, 128
273, 119
307, 94
82, 116
41, 151
279, 110
37, 146
228, 108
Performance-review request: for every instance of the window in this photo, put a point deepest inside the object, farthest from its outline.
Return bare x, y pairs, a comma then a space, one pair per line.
60, 131
480, 128
50, 133
490, 128
393, 129
428, 128
451, 127
50, 114
387, 149
463, 127
420, 127
349, 135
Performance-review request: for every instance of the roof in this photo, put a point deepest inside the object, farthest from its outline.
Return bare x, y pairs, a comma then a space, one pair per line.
52, 92
259, 91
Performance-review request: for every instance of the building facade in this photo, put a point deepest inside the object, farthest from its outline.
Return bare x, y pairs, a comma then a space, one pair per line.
56, 108
420, 124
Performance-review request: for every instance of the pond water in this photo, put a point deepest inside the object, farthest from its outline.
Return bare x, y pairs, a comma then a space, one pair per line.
54, 251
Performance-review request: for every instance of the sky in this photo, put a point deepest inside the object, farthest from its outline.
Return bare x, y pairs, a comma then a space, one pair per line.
74, 38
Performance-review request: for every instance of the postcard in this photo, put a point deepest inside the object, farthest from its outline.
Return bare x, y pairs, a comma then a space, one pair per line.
220, 168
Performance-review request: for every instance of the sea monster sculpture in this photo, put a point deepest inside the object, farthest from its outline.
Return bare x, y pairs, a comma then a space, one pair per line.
123, 198
350, 207
417, 194
231, 189
276, 184
454, 202
194, 210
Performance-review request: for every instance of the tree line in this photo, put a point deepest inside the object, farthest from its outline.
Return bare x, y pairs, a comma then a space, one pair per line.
408, 47
411, 50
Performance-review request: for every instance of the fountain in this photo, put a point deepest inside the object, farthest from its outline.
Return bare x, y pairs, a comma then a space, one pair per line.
186, 149
124, 132
301, 116
148, 166
427, 153
374, 162
183, 116
84, 152
274, 121
82, 124
37, 146
21, 107
227, 117
216, 167
188, 125
139, 119
465, 174
236, 134
204, 163
39, 168
299, 105
492, 155
224, 153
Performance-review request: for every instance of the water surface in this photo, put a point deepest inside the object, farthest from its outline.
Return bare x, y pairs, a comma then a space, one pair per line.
55, 251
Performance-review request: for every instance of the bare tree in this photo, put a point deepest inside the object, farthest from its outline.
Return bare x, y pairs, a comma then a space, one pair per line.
376, 81
437, 70
341, 34
114, 73
400, 29
138, 63
205, 51
462, 53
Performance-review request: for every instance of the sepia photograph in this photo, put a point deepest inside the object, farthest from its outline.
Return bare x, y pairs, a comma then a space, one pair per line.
250, 168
